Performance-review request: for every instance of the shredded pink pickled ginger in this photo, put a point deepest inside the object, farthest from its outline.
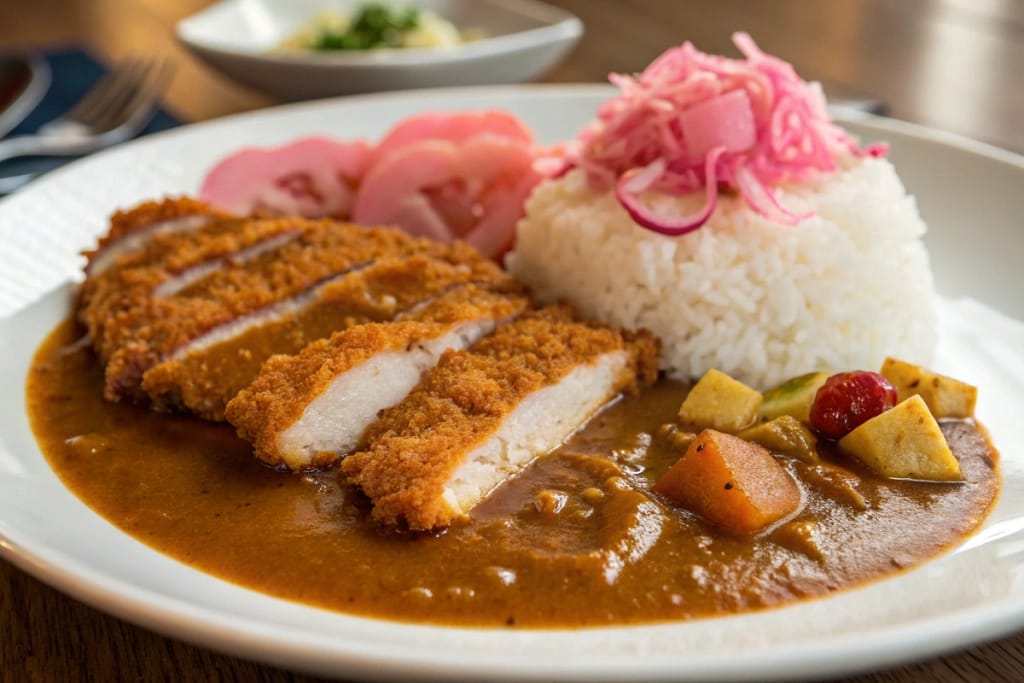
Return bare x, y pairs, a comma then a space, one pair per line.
693, 121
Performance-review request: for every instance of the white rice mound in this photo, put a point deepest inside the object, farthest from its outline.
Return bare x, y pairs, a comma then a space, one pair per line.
758, 300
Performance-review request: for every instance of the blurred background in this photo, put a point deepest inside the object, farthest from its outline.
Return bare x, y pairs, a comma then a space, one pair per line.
950, 64
955, 65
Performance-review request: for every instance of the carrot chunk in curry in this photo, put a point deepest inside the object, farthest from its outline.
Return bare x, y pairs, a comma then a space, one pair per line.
734, 484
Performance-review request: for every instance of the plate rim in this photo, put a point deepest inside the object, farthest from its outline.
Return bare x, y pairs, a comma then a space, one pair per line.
932, 639
208, 628
921, 132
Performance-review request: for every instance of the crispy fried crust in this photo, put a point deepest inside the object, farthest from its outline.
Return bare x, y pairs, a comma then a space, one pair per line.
148, 217
204, 381
287, 384
130, 285
154, 299
180, 302
147, 333
417, 445
144, 215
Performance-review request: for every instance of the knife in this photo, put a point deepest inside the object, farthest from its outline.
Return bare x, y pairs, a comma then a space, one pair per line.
23, 82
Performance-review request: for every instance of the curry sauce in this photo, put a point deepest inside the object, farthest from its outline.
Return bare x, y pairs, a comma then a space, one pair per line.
577, 539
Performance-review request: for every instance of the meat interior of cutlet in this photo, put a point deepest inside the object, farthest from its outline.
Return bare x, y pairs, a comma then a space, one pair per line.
319, 338
310, 409
206, 373
133, 229
136, 272
153, 321
481, 415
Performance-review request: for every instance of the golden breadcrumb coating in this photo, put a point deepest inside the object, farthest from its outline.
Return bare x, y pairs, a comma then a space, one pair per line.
154, 299
286, 385
149, 213
205, 380
186, 315
147, 333
138, 273
417, 445
148, 217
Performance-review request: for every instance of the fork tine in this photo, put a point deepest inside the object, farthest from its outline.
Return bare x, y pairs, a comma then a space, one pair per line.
155, 81
147, 92
116, 108
92, 102
107, 112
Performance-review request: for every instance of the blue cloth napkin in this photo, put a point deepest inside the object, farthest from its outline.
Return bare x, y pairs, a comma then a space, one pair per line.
74, 72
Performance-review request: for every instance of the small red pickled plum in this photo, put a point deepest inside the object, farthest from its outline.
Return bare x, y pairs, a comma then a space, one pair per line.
848, 399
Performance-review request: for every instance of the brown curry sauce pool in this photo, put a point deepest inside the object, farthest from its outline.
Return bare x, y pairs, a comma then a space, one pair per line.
575, 540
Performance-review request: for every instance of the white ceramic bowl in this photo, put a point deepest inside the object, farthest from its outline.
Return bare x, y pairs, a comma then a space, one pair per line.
523, 38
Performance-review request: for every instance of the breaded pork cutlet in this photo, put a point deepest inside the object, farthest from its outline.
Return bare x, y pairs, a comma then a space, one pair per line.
149, 332
483, 414
132, 229
138, 275
204, 374
310, 409
131, 234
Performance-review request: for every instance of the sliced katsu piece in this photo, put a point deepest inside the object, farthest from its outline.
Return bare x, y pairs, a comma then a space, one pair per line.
310, 409
204, 374
132, 229
131, 232
158, 326
167, 259
481, 415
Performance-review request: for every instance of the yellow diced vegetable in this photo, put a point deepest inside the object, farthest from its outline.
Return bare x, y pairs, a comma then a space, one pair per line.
720, 402
732, 483
786, 435
944, 396
904, 442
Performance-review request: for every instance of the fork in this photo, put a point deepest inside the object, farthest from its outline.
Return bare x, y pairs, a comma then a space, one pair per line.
115, 109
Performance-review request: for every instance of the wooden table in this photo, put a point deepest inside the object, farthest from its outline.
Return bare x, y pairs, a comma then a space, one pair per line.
952, 64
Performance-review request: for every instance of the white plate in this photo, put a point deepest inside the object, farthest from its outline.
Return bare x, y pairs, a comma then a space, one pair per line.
970, 193
522, 39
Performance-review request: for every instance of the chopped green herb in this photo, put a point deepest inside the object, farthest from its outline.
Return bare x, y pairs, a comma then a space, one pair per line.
373, 26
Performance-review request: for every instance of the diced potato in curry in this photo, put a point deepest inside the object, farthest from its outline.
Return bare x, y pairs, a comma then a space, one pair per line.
733, 484
944, 396
720, 402
793, 397
787, 435
904, 442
